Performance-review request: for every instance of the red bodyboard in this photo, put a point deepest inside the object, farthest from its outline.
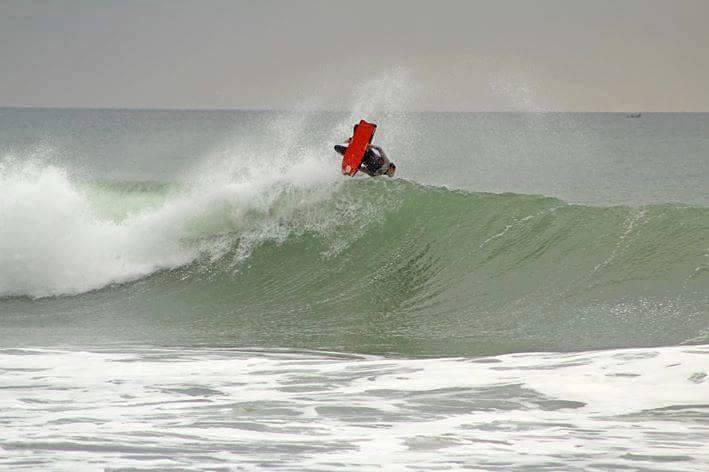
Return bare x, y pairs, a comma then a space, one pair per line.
363, 134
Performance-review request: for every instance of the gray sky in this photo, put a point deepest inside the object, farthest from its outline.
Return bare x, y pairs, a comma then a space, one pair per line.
567, 55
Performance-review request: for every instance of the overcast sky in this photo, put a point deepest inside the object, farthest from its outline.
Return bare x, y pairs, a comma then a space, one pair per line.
566, 55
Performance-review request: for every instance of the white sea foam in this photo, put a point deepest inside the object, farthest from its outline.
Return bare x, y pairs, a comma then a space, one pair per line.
201, 409
53, 241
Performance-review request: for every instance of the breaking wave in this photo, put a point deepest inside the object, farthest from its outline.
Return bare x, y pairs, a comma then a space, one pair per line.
472, 264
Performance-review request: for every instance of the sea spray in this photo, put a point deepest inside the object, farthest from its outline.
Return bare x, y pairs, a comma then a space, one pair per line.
62, 237
52, 242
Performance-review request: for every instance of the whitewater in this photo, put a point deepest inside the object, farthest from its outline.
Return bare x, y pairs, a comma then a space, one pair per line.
203, 290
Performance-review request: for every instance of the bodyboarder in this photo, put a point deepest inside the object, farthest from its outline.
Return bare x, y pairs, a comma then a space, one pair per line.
375, 161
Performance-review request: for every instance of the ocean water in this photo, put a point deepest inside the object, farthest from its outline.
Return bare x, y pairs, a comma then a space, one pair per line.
202, 290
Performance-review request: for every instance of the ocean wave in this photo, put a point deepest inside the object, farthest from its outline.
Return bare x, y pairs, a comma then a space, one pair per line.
61, 237
426, 263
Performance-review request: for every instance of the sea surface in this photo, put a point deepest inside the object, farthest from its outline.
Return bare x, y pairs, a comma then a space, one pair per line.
202, 290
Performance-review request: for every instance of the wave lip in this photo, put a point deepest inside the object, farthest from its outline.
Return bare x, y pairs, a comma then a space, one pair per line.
53, 242
63, 237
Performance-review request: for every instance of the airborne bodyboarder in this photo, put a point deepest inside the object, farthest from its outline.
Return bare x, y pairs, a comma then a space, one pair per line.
375, 161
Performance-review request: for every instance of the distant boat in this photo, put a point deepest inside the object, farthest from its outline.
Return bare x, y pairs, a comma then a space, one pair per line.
633, 115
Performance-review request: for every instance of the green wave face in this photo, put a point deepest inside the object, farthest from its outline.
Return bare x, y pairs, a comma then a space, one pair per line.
389, 266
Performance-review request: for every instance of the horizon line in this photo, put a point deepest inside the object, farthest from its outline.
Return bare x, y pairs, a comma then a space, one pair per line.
295, 110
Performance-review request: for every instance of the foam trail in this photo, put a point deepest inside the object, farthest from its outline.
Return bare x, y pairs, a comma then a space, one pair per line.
206, 409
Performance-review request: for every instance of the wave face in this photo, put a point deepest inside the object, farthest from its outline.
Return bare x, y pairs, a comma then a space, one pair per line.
369, 265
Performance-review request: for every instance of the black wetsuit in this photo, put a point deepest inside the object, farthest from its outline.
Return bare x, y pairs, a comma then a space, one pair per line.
375, 162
